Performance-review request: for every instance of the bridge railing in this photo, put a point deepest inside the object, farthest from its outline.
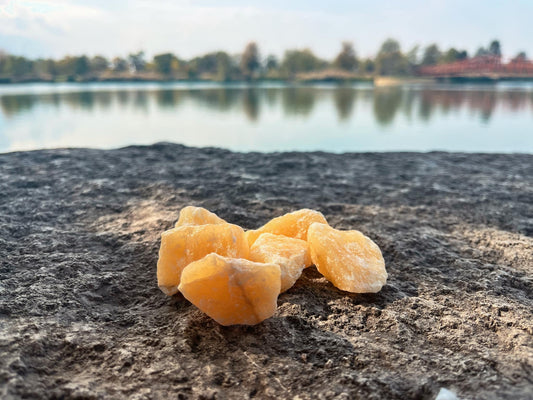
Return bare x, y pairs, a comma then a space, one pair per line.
486, 65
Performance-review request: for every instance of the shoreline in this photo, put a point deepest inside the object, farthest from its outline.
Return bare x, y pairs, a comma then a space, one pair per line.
276, 152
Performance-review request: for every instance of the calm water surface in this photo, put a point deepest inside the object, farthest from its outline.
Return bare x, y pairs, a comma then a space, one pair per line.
269, 117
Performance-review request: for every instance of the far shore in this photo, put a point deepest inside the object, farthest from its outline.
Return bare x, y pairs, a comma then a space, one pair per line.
380, 81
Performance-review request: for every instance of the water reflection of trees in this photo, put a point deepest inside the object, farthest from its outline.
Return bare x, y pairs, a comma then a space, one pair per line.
251, 103
387, 103
138, 98
12, 105
427, 102
344, 98
167, 98
220, 99
298, 100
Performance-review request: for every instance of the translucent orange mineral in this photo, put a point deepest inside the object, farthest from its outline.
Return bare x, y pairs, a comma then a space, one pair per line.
191, 215
294, 224
348, 259
232, 291
292, 256
185, 244
236, 277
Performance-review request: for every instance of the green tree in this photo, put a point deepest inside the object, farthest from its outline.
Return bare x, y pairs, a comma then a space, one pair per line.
137, 61
462, 55
453, 55
346, 59
119, 64
431, 55
65, 66
390, 60
206, 63
223, 65
368, 66
81, 65
271, 63
390, 46
3, 59
412, 56
495, 48
163, 63
481, 51
98, 64
250, 60
521, 56
16, 66
296, 61
219, 65
44, 67
192, 69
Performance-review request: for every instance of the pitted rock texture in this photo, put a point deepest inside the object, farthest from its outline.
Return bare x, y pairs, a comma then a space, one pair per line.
81, 316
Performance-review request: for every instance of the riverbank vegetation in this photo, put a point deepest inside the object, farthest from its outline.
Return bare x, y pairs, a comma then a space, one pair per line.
296, 64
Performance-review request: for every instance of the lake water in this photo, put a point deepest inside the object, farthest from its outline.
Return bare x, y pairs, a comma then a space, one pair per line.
269, 117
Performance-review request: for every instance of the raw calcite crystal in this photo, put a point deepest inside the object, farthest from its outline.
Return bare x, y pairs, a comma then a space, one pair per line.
348, 259
294, 224
191, 215
232, 291
236, 277
292, 256
182, 245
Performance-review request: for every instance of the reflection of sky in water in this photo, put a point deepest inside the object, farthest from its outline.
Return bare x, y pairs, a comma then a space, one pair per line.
470, 118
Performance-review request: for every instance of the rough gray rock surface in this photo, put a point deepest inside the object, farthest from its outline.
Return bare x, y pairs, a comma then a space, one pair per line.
81, 316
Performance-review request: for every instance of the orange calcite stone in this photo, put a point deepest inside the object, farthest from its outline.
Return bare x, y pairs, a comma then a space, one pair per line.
348, 259
185, 244
292, 256
232, 291
294, 224
191, 215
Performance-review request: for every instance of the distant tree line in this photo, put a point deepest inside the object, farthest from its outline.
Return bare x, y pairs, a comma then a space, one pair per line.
390, 60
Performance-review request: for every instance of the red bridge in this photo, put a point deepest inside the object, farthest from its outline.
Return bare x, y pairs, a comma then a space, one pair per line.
490, 67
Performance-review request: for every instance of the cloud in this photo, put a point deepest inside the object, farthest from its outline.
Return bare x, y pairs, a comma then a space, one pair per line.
46, 22
193, 27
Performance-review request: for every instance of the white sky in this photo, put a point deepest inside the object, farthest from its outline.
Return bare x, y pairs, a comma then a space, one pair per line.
54, 28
